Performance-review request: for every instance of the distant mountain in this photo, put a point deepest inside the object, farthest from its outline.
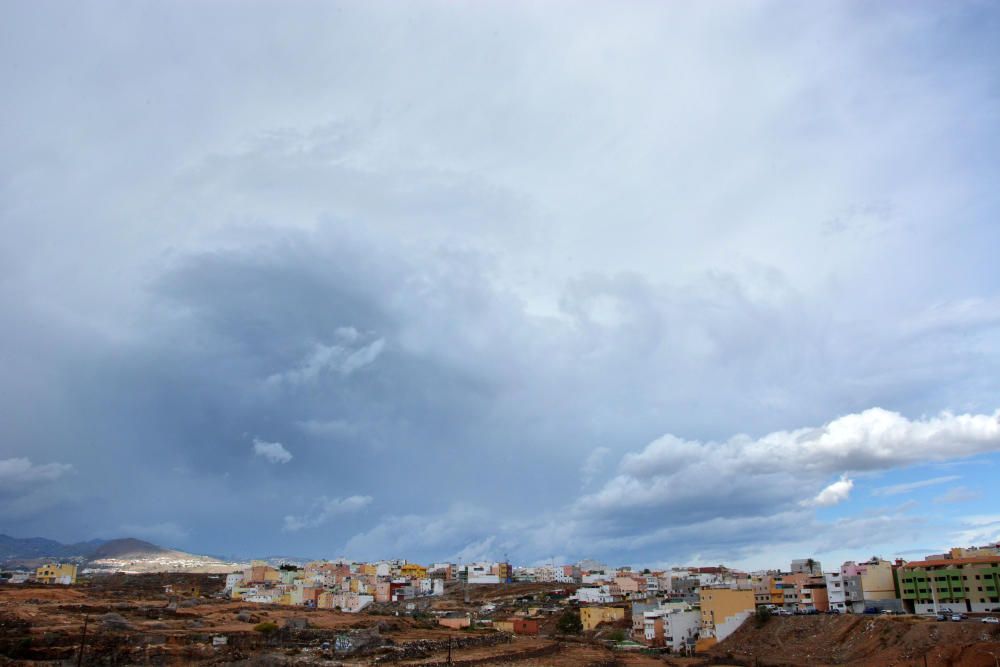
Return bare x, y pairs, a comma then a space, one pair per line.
126, 553
126, 548
14, 548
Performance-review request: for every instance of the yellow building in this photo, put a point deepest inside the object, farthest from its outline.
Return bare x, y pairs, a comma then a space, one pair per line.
56, 573
504, 626
591, 617
878, 581
413, 571
369, 569
723, 610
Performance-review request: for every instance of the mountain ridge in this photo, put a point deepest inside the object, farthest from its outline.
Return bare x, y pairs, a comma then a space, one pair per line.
98, 553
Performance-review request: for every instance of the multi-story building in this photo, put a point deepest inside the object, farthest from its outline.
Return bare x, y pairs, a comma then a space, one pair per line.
723, 610
870, 584
813, 594
807, 565
966, 584
836, 594
678, 630
760, 584
638, 609
56, 573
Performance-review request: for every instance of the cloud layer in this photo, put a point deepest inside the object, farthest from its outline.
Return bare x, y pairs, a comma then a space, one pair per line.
460, 278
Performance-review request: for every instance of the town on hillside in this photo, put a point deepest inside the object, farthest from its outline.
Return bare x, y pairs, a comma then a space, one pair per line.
679, 610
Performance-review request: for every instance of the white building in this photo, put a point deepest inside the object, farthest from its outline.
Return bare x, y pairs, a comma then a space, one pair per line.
594, 595
232, 580
835, 591
597, 577
680, 628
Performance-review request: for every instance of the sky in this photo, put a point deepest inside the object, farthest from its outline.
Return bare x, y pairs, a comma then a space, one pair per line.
647, 282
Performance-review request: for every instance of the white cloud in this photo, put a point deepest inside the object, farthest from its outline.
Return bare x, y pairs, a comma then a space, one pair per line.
875, 439
834, 494
978, 530
274, 452
958, 494
678, 484
337, 358
23, 471
324, 509
896, 489
672, 470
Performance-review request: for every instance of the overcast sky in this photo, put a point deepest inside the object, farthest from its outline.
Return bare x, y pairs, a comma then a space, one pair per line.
646, 282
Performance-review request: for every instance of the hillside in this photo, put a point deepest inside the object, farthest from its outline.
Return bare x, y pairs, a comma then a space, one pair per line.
14, 548
127, 547
125, 554
863, 640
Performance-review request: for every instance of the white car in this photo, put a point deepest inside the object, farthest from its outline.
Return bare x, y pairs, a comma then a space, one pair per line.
992, 619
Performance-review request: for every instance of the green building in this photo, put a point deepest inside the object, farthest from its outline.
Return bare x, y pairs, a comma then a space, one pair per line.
960, 584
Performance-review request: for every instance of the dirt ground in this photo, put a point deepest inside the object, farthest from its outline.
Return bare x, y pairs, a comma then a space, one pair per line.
889, 641
132, 620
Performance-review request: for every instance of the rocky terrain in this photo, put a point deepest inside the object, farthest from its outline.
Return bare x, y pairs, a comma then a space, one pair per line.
131, 619
886, 641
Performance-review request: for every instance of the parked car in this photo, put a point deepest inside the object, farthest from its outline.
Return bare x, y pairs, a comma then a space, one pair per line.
956, 617
833, 611
941, 617
992, 619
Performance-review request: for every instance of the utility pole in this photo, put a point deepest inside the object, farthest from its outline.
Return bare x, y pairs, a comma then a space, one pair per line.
83, 640
449, 649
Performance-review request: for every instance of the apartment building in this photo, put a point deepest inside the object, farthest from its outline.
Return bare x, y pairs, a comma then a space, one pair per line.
966, 584
723, 610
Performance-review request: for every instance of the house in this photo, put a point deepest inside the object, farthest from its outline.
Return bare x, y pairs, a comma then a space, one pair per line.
638, 609
455, 622
413, 571
594, 595
518, 626
591, 617
56, 573
232, 580
631, 585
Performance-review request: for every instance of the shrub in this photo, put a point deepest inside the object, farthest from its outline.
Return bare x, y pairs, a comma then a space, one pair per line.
569, 623
762, 616
266, 628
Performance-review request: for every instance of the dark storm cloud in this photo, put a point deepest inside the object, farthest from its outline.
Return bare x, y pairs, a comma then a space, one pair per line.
468, 265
